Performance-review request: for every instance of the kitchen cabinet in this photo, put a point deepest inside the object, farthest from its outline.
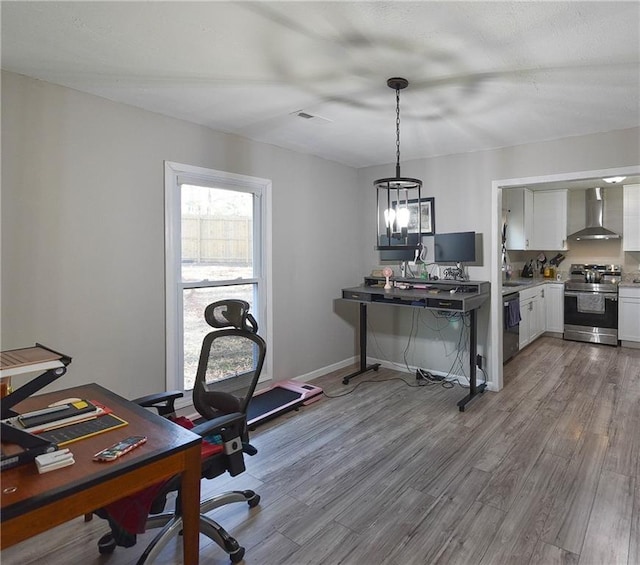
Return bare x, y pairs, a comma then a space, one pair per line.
538, 325
631, 217
554, 307
629, 315
536, 220
525, 315
532, 314
519, 205
550, 220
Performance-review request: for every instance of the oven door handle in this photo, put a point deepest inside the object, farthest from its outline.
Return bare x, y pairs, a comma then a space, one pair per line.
609, 296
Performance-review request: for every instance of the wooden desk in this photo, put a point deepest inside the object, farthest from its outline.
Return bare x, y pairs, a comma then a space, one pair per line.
41, 502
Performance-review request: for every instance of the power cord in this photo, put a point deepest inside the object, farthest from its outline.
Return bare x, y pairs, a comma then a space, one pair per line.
419, 385
426, 376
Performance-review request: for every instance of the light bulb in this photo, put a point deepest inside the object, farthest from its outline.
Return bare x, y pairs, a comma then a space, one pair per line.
389, 217
403, 216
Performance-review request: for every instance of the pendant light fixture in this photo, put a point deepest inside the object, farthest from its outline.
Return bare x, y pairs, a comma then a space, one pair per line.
398, 198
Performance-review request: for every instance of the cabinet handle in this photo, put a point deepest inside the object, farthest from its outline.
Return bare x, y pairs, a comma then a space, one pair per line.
530, 306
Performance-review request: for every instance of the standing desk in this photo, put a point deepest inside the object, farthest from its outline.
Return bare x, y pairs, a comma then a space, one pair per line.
433, 295
33, 503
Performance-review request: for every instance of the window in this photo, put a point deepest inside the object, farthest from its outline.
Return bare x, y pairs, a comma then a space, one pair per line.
216, 248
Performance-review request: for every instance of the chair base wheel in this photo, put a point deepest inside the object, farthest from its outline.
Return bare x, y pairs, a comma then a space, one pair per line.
237, 556
254, 501
106, 544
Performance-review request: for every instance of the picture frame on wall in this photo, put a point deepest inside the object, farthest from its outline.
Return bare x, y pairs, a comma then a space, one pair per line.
427, 213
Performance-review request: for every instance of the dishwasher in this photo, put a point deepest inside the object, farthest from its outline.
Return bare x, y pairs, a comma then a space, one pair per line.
510, 326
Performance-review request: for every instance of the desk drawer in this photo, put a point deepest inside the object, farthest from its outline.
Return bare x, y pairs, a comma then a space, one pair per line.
399, 300
446, 304
355, 295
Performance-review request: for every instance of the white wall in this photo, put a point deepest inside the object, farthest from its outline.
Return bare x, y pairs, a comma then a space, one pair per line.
82, 181
462, 187
83, 236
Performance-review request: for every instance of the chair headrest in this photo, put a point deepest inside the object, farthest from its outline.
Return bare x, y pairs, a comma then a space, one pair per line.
230, 314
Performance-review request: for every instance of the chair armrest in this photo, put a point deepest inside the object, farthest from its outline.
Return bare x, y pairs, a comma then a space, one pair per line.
233, 422
163, 402
229, 427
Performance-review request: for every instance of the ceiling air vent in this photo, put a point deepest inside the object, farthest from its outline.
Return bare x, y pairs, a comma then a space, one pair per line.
312, 117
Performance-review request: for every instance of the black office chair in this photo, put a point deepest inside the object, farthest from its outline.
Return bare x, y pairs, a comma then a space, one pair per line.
230, 364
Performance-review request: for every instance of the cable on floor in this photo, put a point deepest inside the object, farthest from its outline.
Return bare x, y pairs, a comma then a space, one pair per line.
420, 384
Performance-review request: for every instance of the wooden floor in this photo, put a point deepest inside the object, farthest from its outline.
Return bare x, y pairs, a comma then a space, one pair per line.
545, 472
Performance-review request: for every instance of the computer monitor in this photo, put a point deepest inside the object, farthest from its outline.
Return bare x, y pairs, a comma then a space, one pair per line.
457, 247
397, 255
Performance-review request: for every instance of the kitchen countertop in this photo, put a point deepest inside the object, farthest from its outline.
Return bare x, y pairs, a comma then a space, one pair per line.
629, 284
520, 284
523, 284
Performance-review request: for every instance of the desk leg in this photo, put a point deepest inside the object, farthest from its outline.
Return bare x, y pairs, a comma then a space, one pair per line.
190, 493
363, 347
474, 390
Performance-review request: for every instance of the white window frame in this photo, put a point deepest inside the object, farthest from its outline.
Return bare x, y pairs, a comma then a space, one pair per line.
176, 174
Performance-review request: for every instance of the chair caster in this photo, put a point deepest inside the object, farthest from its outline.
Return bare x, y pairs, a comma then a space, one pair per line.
253, 499
106, 544
237, 556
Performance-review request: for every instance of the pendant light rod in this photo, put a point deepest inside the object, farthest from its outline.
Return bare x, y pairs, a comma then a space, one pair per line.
397, 84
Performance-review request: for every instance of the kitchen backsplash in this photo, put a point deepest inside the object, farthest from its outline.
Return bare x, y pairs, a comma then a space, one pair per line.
599, 252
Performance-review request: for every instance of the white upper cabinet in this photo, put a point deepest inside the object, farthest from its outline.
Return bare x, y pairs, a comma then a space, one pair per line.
519, 205
535, 220
631, 218
550, 220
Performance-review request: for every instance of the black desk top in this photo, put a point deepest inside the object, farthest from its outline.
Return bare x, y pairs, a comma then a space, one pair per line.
456, 296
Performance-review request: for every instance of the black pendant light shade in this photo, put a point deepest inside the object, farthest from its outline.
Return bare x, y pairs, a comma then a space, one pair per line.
398, 198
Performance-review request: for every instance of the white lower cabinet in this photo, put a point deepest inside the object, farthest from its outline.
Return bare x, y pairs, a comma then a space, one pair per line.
554, 307
629, 316
532, 314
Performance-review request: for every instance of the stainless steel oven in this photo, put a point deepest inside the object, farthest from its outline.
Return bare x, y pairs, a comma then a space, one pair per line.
591, 303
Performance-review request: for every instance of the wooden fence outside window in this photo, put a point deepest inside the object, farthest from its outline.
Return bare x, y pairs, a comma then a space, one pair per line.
217, 239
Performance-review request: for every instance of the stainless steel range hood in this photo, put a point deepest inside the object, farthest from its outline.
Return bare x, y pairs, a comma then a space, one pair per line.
595, 214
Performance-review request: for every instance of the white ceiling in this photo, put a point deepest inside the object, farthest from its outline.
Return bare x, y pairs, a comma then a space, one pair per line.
482, 74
